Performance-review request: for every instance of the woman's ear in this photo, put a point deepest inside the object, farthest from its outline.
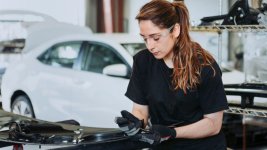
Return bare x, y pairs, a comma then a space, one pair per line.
176, 30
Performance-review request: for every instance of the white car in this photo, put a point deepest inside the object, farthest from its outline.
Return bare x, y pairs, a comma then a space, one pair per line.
67, 72
13, 26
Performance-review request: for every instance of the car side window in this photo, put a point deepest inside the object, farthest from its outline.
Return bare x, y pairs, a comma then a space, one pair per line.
97, 57
61, 55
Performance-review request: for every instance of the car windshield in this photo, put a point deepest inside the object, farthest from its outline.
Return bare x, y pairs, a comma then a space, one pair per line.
133, 48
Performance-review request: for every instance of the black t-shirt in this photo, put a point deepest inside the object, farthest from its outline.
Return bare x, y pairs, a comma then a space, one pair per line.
150, 84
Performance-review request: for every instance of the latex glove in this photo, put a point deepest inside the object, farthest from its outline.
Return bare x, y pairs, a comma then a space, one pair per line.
156, 134
129, 123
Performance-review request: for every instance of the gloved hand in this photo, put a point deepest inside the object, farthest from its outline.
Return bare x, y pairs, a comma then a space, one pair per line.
156, 134
129, 123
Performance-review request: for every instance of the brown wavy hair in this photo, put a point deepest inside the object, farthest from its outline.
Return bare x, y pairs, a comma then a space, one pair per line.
189, 57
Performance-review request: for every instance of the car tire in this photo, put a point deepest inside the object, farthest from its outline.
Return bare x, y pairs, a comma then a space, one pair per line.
22, 106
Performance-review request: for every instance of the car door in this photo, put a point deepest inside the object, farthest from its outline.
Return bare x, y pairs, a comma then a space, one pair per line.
99, 98
55, 75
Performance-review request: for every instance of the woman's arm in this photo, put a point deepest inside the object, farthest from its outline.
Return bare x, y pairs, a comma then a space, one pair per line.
141, 112
208, 126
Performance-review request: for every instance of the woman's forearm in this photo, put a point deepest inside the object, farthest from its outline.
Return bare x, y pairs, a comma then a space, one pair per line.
208, 126
141, 112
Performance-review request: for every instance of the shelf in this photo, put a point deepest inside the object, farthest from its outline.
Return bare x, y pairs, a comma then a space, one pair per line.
248, 105
247, 111
232, 28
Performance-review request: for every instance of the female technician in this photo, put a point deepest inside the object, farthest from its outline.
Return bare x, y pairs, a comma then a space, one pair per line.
175, 83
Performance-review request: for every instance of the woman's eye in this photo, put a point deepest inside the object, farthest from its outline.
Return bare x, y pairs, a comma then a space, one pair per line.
156, 38
145, 40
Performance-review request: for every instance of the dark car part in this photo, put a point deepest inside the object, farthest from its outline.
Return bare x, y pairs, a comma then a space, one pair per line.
19, 130
239, 14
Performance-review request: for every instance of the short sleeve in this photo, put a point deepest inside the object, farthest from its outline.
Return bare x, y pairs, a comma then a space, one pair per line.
136, 87
211, 93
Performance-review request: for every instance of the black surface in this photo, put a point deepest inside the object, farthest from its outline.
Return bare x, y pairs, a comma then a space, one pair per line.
17, 130
111, 145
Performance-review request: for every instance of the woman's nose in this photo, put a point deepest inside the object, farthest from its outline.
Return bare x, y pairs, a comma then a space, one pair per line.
150, 44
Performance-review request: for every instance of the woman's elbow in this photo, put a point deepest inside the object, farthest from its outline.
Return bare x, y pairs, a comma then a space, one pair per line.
216, 130
215, 120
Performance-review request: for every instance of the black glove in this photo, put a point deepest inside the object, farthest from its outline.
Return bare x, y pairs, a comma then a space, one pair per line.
156, 134
129, 123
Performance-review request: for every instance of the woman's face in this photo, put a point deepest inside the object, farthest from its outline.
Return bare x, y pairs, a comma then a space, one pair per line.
158, 41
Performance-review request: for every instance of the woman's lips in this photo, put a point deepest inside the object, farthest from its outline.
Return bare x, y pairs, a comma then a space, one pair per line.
155, 53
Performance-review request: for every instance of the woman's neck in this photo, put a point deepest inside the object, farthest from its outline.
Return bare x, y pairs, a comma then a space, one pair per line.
168, 62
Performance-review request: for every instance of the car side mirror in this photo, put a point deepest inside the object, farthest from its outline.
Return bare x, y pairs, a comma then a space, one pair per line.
117, 70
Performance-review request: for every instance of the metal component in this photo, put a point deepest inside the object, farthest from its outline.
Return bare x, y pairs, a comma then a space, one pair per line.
247, 111
247, 105
258, 91
78, 131
232, 28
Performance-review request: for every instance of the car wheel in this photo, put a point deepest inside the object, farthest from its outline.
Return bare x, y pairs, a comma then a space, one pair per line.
22, 106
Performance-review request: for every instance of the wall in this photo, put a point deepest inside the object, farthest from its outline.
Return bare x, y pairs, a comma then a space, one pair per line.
131, 10
70, 11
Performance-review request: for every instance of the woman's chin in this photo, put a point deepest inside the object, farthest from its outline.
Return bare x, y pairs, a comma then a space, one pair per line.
158, 56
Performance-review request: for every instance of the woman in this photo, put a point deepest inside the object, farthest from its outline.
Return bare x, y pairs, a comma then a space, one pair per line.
175, 83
